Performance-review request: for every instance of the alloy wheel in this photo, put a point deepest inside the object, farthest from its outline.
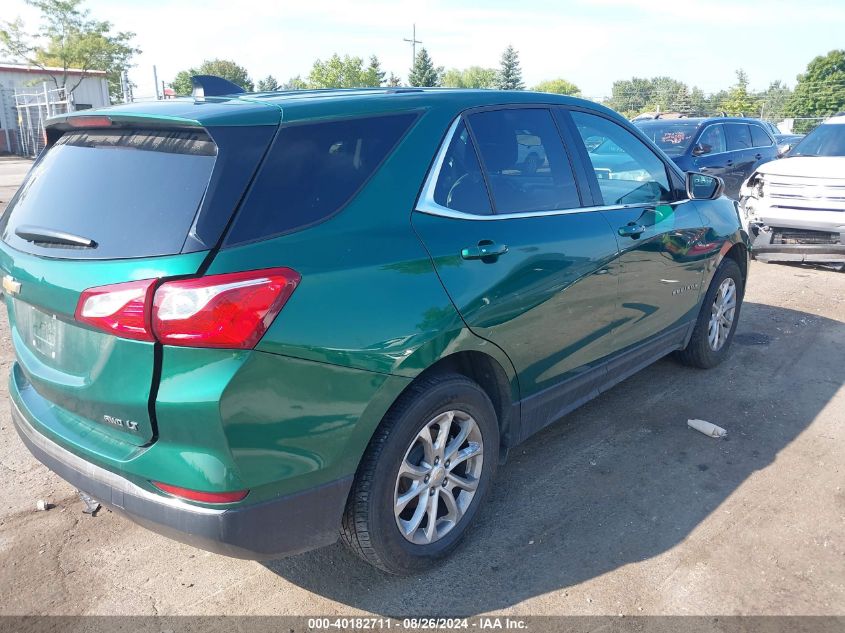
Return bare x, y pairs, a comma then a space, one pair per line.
438, 477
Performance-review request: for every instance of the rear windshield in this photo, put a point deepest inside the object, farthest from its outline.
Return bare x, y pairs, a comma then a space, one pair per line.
825, 140
673, 137
126, 193
312, 171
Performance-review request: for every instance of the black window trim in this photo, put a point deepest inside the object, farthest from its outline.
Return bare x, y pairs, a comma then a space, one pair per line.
417, 114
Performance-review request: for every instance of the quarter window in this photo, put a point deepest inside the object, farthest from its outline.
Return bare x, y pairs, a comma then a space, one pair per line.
739, 137
712, 140
312, 171
628, 171
759, 138
524, 159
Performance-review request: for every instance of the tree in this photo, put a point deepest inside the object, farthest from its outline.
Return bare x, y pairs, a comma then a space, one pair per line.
636, 95
683, 102
424, 73
268, 84
510, 75
558, 86
698, 102
225, 68
821, 90
393, 81
472, 77
295, 83
374, 75
345, 72
69, 39
774, 99
739, 102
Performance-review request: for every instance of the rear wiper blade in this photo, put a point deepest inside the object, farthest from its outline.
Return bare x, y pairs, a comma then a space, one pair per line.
41, 235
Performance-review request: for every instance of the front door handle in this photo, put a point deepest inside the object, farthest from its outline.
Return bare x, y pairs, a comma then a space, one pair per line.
486, 251
632, 230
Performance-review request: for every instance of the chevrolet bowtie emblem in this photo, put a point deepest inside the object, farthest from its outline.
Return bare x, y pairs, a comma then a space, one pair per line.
10, 286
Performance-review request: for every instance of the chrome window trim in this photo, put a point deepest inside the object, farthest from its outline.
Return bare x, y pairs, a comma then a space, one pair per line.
426, 204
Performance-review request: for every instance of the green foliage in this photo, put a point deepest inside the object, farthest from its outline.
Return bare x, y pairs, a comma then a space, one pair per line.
682, 103
225, 68
472, 77
69, 39
558, 87
374, 75
637, 95
739, 102
295, 83
345, 72
773, 100
821, 90
510, 74
268, 84
393, 81
424, 73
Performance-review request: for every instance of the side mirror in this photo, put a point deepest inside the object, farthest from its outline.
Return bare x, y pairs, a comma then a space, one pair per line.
704, 187
701, 149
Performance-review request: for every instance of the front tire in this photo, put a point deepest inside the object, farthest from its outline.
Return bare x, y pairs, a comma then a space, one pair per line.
424, 475
714, 330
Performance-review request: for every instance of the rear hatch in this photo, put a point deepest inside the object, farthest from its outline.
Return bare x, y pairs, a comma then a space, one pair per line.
104, 206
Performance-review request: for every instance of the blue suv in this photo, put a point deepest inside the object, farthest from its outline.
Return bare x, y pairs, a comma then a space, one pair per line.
731, 148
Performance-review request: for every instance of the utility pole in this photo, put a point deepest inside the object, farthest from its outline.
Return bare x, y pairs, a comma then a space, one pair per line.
413, 42
155, 81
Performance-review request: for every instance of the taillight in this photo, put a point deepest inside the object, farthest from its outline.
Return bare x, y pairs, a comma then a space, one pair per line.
204, 497
231, 310
122, 309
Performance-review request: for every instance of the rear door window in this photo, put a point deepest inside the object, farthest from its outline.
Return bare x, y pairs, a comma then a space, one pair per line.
132, 193
460, 185
524, 160
759, 138
312, 171
738, 135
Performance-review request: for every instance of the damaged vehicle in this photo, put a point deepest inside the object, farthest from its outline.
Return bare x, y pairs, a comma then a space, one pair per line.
795, 207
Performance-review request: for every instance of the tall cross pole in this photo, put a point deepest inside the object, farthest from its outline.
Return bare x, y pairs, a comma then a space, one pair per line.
413, 42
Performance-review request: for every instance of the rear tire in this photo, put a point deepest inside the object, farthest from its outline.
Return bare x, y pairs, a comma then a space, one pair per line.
437, 448
714, 329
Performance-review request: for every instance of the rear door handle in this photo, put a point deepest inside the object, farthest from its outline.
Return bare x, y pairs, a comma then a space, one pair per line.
632, 230
485, 249
758, 156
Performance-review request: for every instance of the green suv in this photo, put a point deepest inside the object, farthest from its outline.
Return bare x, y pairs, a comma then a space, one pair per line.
257, 322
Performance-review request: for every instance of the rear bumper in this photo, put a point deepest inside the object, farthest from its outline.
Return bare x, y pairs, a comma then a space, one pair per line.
270, 529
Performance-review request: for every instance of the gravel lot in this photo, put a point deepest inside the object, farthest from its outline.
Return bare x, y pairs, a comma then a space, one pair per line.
617, 509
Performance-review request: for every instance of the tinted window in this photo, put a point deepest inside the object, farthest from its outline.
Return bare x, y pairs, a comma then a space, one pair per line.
759, 138
312, 171
524, 159
826, 140
631, 173
133, 192
738, 136
460, 185
673, 137
712, 140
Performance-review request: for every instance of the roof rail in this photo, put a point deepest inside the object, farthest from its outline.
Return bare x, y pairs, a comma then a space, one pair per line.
213, 86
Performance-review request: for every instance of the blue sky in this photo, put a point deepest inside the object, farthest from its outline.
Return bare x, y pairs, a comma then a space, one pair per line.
589, 42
